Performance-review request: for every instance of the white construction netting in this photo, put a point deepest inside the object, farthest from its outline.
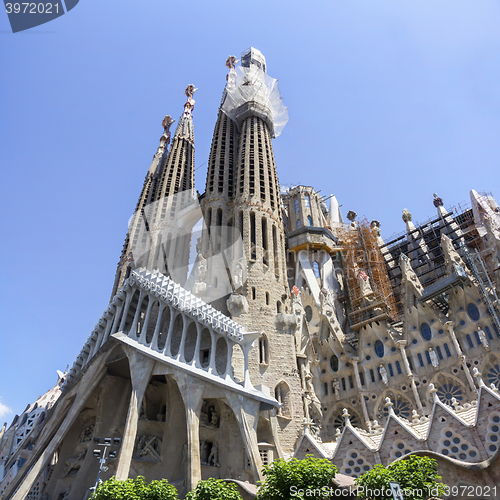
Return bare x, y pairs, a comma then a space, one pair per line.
252, 84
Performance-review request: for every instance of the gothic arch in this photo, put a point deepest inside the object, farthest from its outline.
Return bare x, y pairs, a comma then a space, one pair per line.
282, 395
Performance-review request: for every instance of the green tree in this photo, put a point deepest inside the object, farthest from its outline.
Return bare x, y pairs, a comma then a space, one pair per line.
134, 489
300, 479
417, 476
214, 489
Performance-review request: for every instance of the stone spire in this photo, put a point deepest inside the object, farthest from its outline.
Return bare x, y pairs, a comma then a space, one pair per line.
147, 197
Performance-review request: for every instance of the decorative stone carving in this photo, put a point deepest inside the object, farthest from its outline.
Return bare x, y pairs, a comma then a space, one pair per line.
209, 453
74, 463
453, 261
237, 305
409, 277
148, 448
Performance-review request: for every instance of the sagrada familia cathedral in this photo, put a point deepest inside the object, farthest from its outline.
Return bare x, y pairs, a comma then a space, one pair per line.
251, 323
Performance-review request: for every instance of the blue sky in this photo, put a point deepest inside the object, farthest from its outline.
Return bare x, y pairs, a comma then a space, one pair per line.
389, 102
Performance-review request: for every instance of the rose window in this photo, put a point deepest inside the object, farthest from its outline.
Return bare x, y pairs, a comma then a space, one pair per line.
494, 376
447, 392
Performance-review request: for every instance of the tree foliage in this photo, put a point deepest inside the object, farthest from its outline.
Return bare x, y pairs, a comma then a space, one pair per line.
417, 476
137, 489
214, 489
285, 479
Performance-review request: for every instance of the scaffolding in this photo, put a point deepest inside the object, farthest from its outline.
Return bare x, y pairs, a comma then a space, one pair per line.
363, 262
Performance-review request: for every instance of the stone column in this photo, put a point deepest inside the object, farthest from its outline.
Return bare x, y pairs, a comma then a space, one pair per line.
409, 374
246, 411
142, 338
191, 390
133, 328
128, 300
154, 340
141, 368
361, 393
461, 355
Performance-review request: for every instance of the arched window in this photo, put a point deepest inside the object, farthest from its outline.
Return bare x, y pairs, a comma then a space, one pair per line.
309, 220
316, 269
473, 312
379, 349
334, 363
438, 350
299, 224
420, 360
307, 201
428, 356
398, 367
425, 330
282, 395
296, 206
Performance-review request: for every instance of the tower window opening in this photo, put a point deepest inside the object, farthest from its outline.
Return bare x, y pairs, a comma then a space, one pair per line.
334, 363
241, 223
299, 224
275, 252
351, 382
438, 350
264, 242
325, 388
253, 236
253, 293
307, 201
267, 298
398, 367
362, 378
296, 206
309, 220
391, 371
343, 384
447, 350
278, 307
372, 376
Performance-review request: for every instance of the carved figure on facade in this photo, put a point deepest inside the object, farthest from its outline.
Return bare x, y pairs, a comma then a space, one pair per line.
434, 358
383, 374
483, 338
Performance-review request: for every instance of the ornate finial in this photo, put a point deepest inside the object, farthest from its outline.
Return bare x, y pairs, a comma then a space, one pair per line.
295, 291
375, 225
231, 77
406, 215
190, 90
231, 62
345, 414
167, 121
189, 106
351, 215
438, 202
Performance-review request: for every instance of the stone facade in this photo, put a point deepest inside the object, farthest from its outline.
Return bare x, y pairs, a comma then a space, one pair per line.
293, 332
